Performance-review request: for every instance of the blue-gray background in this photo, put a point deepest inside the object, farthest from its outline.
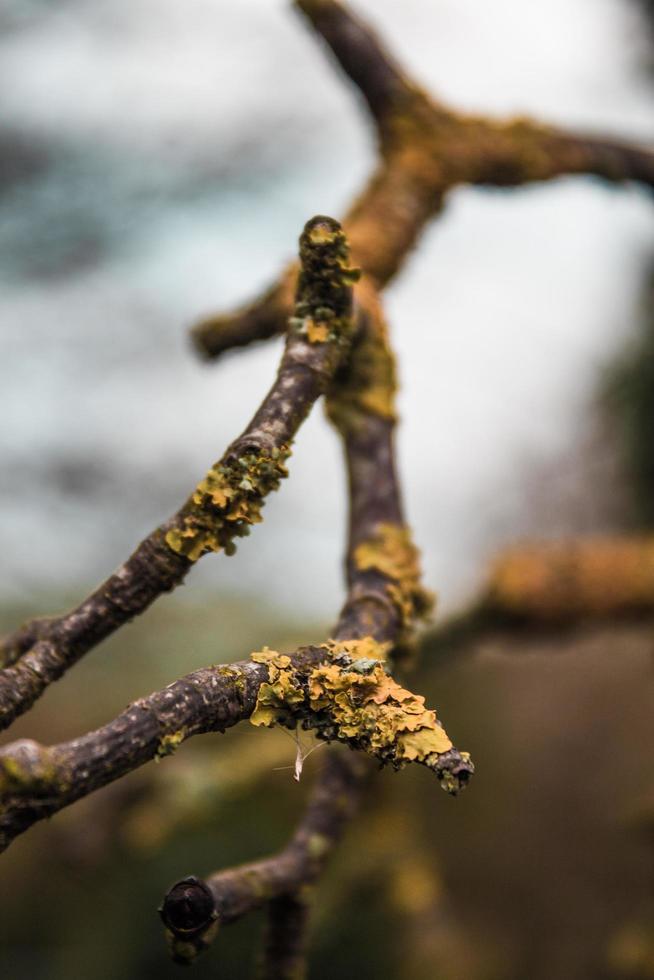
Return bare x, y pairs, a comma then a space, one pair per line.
160, 159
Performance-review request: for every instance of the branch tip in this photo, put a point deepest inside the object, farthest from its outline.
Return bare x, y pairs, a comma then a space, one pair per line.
188, 908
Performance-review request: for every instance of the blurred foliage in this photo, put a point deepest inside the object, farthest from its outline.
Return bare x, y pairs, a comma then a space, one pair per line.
535, 871
629, 397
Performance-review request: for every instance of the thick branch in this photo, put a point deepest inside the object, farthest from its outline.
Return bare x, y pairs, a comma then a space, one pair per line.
226, 503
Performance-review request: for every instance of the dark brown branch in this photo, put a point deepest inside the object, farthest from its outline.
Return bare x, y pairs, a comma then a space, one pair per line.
361, 55
37, 781
384, 601
237, 891
426, 150
226, 503
285, 938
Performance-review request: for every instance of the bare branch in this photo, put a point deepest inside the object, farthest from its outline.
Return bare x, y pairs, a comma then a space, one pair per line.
264, 318
226, 503
192, 924
362, 57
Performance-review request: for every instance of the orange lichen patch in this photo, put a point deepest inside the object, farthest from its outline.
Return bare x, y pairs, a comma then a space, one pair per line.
317, 332
353, 701
370, 383
375, 710
364, 649
392, 552
281, 692
570, 579
226, 503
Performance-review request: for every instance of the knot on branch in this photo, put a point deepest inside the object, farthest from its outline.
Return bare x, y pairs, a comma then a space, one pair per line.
354, 700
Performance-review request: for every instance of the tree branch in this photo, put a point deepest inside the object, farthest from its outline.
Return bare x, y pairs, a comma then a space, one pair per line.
226, 503
426, 150
354, 702
192, 923
362, 57
385, 600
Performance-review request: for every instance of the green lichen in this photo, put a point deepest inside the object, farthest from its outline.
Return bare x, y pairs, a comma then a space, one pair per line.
317, 845
169, 744
185, 951
27, 767
226, 503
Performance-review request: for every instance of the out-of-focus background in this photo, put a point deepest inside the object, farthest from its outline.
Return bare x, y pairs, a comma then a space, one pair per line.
157, 162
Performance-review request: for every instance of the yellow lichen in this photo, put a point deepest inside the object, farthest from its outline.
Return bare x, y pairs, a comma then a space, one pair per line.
366, 648
373, 708
370, 383
226, 502
169, 744
317, 332
353, 701
279, 694
392, 552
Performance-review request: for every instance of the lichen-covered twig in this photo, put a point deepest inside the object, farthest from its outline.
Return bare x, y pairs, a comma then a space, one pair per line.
37, 781
325, 689
340, 690
226, 503
425, 150
385, 599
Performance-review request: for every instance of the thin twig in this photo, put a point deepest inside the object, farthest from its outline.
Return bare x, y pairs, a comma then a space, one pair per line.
226, 503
